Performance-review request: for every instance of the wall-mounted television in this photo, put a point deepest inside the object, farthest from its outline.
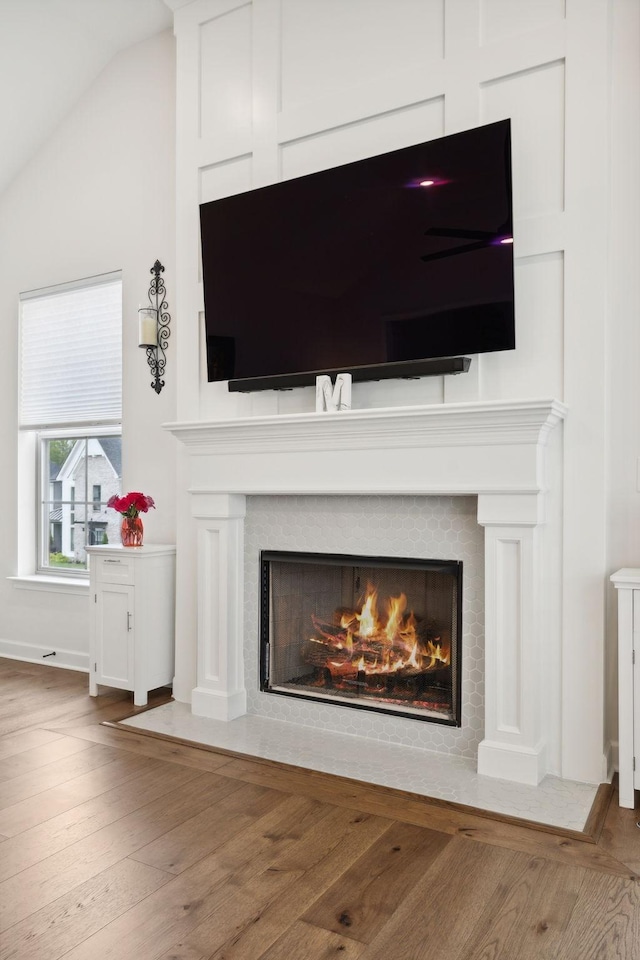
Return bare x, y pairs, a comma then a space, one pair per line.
399, 265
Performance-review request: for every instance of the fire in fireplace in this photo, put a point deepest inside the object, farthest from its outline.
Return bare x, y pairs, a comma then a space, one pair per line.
379, 634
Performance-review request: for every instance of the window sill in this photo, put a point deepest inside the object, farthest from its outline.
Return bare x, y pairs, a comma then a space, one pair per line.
76, 587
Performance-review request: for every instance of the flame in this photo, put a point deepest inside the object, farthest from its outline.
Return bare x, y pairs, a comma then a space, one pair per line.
371, 644
436, 652
368, 616
413, 658
397, 607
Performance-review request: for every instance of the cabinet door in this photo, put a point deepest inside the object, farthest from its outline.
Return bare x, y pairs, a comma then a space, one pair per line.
114, 635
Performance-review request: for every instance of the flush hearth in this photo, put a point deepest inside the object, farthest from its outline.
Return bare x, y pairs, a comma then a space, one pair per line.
372, 633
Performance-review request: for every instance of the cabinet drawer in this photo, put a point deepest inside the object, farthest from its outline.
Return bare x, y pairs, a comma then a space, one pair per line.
113, 569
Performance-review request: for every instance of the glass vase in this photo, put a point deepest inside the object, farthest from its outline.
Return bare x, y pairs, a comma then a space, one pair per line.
131, 531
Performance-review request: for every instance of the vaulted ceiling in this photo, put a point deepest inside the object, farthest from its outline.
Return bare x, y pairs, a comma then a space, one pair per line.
50, 53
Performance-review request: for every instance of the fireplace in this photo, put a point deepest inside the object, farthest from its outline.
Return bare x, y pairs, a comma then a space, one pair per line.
372, 633
505, 454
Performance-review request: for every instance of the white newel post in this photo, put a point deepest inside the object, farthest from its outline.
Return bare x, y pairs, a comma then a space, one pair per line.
220, 693
514, 745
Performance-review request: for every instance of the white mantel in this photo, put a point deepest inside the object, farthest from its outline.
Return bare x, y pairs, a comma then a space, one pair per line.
498, 451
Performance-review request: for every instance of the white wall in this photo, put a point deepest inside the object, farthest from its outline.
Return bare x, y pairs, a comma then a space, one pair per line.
100, 196
623, 447
277, 88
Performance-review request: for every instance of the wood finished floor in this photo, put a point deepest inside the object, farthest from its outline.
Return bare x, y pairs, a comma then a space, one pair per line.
118, 846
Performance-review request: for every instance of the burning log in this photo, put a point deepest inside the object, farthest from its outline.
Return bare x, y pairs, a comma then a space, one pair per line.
333, 633
359, 651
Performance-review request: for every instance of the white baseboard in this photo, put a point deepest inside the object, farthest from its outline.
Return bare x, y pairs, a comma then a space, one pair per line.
34, 653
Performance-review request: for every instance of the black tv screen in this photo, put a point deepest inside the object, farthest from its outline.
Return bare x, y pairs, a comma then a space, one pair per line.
375, 267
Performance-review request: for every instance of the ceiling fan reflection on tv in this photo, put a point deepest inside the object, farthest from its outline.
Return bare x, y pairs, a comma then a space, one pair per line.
478, 239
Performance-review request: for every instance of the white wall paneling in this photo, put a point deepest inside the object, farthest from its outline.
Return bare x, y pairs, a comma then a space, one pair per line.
506, 19
225, 75
224, 178
534, 100
537, 365
363, 138
319, 58
305, 119
330, 82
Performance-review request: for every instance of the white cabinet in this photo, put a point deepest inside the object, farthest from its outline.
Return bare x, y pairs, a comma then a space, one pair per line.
132, 618
627, 583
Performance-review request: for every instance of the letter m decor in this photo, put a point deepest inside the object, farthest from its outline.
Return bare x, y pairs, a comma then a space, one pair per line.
330, 399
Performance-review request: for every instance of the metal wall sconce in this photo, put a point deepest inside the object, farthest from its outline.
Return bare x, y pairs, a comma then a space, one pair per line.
153, 327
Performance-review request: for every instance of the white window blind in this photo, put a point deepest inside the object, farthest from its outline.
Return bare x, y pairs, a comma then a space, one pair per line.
71, 354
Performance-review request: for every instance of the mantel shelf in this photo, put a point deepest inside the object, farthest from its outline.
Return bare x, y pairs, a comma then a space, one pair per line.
489, 423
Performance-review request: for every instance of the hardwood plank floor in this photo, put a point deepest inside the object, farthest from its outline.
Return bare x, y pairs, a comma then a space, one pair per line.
124, 846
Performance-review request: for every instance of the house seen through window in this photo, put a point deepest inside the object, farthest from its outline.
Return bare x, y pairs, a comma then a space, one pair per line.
76, 510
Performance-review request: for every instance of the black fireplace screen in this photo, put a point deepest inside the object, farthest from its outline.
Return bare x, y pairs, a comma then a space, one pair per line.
379, 634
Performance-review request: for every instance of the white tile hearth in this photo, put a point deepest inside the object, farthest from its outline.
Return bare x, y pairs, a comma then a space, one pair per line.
556, 802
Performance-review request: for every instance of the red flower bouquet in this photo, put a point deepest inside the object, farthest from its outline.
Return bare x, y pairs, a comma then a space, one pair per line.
131, 504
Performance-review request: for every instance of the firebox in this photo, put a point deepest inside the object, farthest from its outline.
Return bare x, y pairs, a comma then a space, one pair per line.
376, 633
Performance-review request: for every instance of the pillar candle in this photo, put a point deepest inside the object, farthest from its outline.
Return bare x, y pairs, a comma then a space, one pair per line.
147, 327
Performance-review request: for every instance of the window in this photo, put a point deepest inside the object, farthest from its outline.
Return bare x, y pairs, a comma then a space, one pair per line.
98, 534
70, 400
